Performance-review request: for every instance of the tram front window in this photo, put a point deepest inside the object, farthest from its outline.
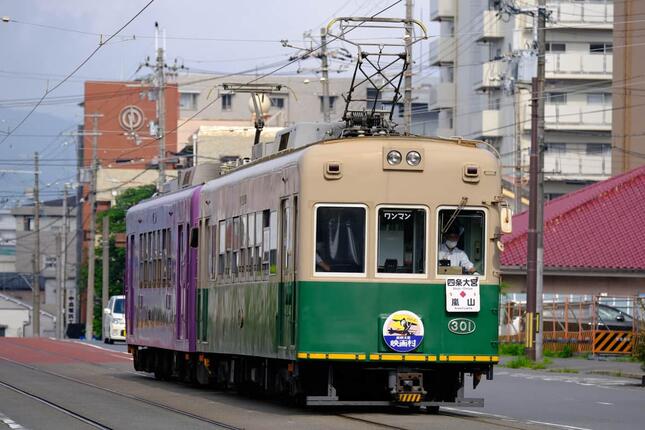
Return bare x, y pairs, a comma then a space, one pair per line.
340, 239
461, 247
401, 240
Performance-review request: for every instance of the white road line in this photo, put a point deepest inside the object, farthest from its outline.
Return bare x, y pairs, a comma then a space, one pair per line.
11, 423
562, 426
605, 403
100, 347
506, 418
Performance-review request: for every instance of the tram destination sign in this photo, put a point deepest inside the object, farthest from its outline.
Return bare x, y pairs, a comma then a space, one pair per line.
462, 294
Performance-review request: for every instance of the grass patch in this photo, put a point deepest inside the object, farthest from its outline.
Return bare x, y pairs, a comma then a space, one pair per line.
565, 352
524, 362
563, 370
515, 349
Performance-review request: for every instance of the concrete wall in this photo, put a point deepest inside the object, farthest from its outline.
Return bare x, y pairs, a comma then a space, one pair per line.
581, 285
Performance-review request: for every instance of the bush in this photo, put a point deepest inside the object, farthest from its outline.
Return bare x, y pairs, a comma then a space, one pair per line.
524, 362
511, 349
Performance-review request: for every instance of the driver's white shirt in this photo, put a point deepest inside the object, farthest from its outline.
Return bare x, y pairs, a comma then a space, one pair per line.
457, 257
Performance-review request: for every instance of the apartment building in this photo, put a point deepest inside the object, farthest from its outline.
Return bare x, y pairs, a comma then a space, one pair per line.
484, 61
51, 234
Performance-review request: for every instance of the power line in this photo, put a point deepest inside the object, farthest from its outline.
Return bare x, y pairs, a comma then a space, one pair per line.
76, 69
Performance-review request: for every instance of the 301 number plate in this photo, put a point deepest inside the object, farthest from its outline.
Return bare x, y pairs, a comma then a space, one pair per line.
462, 326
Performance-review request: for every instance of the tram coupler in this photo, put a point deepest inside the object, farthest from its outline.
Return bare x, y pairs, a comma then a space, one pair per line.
406, 387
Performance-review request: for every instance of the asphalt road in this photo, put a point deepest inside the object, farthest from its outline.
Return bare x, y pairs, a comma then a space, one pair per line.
574, 400
98, 383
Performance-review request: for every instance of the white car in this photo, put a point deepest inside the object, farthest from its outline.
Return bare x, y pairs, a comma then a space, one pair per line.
114, 320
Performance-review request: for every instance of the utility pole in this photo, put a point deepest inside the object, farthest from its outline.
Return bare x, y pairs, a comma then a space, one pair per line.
59, 293
535, 254
407, 74
35, 283
161, 107
91, 255
106, 261
325, 73
62, 293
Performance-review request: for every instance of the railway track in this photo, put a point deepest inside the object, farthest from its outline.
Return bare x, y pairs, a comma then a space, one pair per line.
217, 424
358, 418
58, 407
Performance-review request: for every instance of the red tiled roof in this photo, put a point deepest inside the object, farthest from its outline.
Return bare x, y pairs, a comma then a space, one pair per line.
601, 226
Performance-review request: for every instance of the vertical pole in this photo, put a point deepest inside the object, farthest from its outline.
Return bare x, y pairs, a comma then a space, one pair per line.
325, 74
89, 320
539, 284
161, 112
531, 263
407, 74
63, 292
535, 254
35, 283
59, 293
106, 261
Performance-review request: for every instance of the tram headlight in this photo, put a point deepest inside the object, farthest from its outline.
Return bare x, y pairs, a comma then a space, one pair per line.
394, 158
413, 158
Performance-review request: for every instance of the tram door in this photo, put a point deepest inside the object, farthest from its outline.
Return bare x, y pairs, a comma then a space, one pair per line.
182, 281
287, 299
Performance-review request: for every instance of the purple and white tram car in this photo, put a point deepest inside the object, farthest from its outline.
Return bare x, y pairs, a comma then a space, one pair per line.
161, 272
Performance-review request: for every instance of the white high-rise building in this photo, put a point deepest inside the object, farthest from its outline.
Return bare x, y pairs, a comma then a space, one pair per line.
484, 61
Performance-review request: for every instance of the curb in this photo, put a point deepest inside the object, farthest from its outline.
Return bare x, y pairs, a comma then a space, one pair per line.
640, 377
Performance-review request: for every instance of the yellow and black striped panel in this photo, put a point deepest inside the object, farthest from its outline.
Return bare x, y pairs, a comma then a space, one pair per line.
612, 342
354, 356
409, 397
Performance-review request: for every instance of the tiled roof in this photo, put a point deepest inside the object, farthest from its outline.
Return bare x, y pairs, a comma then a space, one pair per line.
601, 227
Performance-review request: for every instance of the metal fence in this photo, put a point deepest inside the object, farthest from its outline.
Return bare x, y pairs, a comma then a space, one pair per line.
597, 324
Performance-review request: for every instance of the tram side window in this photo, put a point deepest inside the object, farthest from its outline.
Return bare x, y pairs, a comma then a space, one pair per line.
462, 242
236, 246
229, 247
243, 243
401, 240
250, 256
142, 263
212, 248
221, 264
273, 252
340, 239
258, 243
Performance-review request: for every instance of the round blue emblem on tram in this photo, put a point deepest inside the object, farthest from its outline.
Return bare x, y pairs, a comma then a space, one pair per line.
403, 331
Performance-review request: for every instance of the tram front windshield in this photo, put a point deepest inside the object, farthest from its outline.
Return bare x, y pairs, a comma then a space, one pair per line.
340, 239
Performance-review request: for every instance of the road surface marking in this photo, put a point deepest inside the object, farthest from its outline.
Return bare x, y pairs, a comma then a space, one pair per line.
11, 423
605, 403
518, 420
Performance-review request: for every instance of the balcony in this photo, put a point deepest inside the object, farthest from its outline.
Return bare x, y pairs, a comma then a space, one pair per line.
581, 14
579, 165
573, 116
491, 73
579, 65
442, 96
442, 50
441, 10
489, 28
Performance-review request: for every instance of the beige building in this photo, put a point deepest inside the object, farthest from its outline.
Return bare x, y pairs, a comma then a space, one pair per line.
484, 62
628, 128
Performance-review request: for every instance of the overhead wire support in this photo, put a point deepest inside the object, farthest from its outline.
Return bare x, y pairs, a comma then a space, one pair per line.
382, 65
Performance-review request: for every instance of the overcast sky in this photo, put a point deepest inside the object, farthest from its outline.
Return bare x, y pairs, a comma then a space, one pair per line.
47, 39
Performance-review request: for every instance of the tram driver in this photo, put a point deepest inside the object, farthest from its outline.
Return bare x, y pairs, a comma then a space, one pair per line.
451, 255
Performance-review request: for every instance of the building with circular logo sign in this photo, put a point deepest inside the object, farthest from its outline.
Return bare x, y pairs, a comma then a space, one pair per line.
403, 331
131, 118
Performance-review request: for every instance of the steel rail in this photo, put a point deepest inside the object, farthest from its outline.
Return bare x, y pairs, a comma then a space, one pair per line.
55, 406
159, 405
